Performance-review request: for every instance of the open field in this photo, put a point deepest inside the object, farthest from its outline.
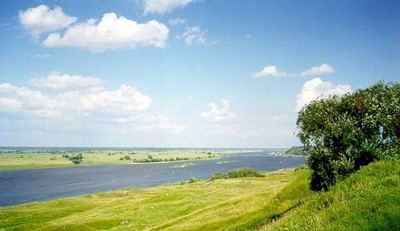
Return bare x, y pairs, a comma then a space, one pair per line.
27, 159
202, 205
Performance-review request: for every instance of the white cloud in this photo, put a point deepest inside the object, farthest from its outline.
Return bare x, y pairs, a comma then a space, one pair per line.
177, 21
164, 6
41, 19
219, 114
318, 70
270, 71
124, 101
316, 88
56, 81
112, 32
74, 99
194, 35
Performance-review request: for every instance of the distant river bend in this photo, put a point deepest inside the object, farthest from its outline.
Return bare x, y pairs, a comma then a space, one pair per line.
17, 187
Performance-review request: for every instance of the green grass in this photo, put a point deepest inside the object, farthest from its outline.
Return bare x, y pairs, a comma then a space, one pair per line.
33, 160
281, 200
225, 204
367, 200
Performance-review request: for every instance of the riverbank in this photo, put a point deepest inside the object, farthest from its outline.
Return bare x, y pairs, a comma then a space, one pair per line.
281, 200
53, 183
202, 205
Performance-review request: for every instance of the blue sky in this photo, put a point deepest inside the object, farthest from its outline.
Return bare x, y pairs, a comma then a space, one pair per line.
183, 73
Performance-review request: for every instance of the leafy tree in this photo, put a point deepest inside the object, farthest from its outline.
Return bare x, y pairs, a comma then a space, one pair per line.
344, 133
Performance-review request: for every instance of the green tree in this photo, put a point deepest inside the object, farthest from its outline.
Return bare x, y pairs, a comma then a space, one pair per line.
344, 133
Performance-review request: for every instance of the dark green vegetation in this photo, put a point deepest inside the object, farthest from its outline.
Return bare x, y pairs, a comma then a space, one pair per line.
296, 151
367, 200
76, 159
344, 133
237, 173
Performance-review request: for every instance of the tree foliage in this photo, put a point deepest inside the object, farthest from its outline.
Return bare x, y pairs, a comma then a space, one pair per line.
344, 133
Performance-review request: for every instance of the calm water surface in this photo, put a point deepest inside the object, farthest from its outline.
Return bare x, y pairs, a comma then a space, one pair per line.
18, 187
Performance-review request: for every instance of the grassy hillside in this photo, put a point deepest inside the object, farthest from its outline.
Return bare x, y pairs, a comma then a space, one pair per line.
224, 204
367, 200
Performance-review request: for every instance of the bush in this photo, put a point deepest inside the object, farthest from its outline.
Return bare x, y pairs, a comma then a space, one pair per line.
217, 176
237, 173
244, 172
76, 159
341, 134
127, 157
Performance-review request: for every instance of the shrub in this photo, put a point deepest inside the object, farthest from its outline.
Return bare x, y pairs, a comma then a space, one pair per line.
127, 157
237, 173
341, 134
244, 172
76, 159
218, 175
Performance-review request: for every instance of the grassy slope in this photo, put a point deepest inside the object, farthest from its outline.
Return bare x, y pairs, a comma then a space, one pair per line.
367, 200
205, 205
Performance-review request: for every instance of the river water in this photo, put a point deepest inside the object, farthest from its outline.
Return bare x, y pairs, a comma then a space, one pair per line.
17, 187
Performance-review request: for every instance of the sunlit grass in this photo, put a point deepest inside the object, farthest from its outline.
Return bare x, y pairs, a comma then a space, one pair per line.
34, 160
203, 205
367, 200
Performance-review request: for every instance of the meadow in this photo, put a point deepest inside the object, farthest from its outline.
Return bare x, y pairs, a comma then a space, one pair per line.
35, 159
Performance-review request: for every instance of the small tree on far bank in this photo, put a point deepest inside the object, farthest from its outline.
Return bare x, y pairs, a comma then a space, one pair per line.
344, 133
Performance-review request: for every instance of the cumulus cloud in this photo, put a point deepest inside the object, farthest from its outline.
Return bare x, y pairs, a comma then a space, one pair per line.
270, 70
56, 81
73, 97
112, 32
41, 19
219, 114
164, 6
317, 88
318, 70
126, 100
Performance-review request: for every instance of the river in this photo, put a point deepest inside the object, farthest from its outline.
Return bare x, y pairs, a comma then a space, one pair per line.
17, 187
